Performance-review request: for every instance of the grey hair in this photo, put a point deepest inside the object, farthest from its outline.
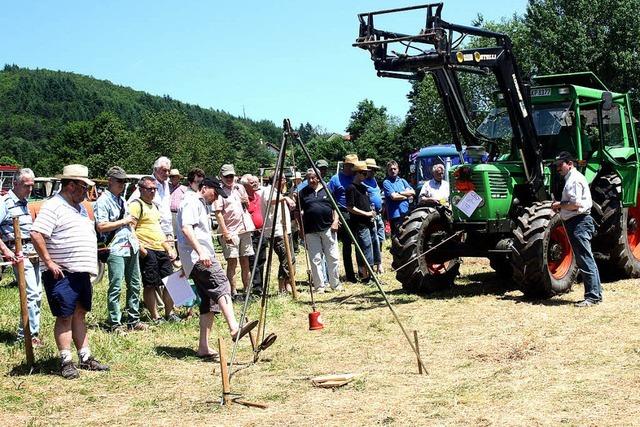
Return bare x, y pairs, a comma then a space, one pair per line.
160, 161
22, 173
437, 166
244, 180
144, 179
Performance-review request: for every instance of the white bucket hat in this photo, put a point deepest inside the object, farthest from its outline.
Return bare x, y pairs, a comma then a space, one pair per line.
77, 173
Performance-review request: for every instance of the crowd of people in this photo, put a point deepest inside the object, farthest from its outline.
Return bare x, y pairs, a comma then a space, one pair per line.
166, 226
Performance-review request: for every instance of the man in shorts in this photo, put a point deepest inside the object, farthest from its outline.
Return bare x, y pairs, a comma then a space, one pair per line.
155, 251
236, 227
201, 265
65, 239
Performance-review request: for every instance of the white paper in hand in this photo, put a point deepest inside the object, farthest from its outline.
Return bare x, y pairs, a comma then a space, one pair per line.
179, 288
469, 203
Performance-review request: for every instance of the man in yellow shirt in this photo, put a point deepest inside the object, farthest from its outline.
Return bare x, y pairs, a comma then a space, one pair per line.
155, 252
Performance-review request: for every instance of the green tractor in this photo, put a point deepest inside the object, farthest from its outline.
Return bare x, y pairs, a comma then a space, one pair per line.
501, 208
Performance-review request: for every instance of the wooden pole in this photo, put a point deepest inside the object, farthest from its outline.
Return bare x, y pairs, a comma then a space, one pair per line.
224, 371
22, 287
287, 249
415, 339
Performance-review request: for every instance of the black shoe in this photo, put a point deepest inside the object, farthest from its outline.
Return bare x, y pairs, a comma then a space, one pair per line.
92, 364
586, 303
69, 371
352, 279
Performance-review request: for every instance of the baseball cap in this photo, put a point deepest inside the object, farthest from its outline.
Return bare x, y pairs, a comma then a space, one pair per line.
215, 184
322, 164
227, 169
116, 172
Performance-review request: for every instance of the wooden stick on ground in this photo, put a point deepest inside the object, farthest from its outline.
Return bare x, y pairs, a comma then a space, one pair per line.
415, 339
22, 286
224, 371
287, 249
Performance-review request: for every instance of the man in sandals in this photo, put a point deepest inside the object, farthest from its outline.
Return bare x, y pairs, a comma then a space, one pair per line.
200, 264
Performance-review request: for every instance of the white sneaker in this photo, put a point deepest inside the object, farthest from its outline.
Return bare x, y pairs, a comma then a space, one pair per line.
320, 290
339, 288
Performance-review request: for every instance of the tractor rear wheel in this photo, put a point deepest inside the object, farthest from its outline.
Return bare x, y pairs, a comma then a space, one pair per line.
543, 262
619, 227
417, 234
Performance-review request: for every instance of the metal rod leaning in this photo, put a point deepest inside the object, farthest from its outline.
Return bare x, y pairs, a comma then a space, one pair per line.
295, 137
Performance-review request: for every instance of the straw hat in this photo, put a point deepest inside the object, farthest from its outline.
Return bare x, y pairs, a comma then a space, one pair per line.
371, 164
77, 173
351, 159
360, 166
175, 172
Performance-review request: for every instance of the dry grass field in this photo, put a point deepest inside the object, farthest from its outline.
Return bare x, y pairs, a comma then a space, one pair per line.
493, 359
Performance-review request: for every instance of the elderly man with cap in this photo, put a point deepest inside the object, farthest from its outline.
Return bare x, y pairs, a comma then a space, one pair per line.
574, 209
114, 222
14, 204
362, 220
375, 197
338, 186
236, 227
199, 262
65, 239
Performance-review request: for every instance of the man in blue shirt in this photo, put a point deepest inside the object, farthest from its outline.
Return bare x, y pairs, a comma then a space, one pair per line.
398, 195
375, 195
114, 223
14, 204
338, 185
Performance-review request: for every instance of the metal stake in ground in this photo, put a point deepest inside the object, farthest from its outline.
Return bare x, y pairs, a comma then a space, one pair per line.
22, 287
296, 137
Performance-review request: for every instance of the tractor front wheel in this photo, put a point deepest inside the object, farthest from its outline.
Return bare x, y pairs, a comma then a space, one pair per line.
543, 262
424, 228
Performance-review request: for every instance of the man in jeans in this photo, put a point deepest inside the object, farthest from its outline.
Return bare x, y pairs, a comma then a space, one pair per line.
398, 196
362, 220
14, 204
114, 223
574, 209
338, 185
320, 222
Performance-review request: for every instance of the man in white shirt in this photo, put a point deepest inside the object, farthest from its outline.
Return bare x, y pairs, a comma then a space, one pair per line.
575, 209
199, 262
435, 191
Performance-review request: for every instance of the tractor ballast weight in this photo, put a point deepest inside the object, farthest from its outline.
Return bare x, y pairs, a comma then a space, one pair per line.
513, 224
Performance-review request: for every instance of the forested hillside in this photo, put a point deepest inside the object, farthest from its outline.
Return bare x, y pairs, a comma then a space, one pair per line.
52, 118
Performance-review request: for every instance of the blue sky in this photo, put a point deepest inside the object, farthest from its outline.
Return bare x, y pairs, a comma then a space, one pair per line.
274, 59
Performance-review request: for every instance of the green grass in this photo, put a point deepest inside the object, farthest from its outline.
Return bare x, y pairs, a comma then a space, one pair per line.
493, 359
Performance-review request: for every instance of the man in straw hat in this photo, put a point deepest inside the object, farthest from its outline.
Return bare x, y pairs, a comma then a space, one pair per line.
65, 239
362, 218
338, 186
375, 197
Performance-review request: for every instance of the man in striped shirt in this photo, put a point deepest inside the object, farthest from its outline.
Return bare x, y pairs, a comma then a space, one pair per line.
65, 239
14, 204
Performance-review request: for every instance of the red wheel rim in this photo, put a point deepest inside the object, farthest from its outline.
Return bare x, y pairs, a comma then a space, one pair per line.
633, 230
435, 268
560, 262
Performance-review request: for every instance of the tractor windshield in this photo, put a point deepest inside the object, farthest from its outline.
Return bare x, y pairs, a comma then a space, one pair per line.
553, 124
